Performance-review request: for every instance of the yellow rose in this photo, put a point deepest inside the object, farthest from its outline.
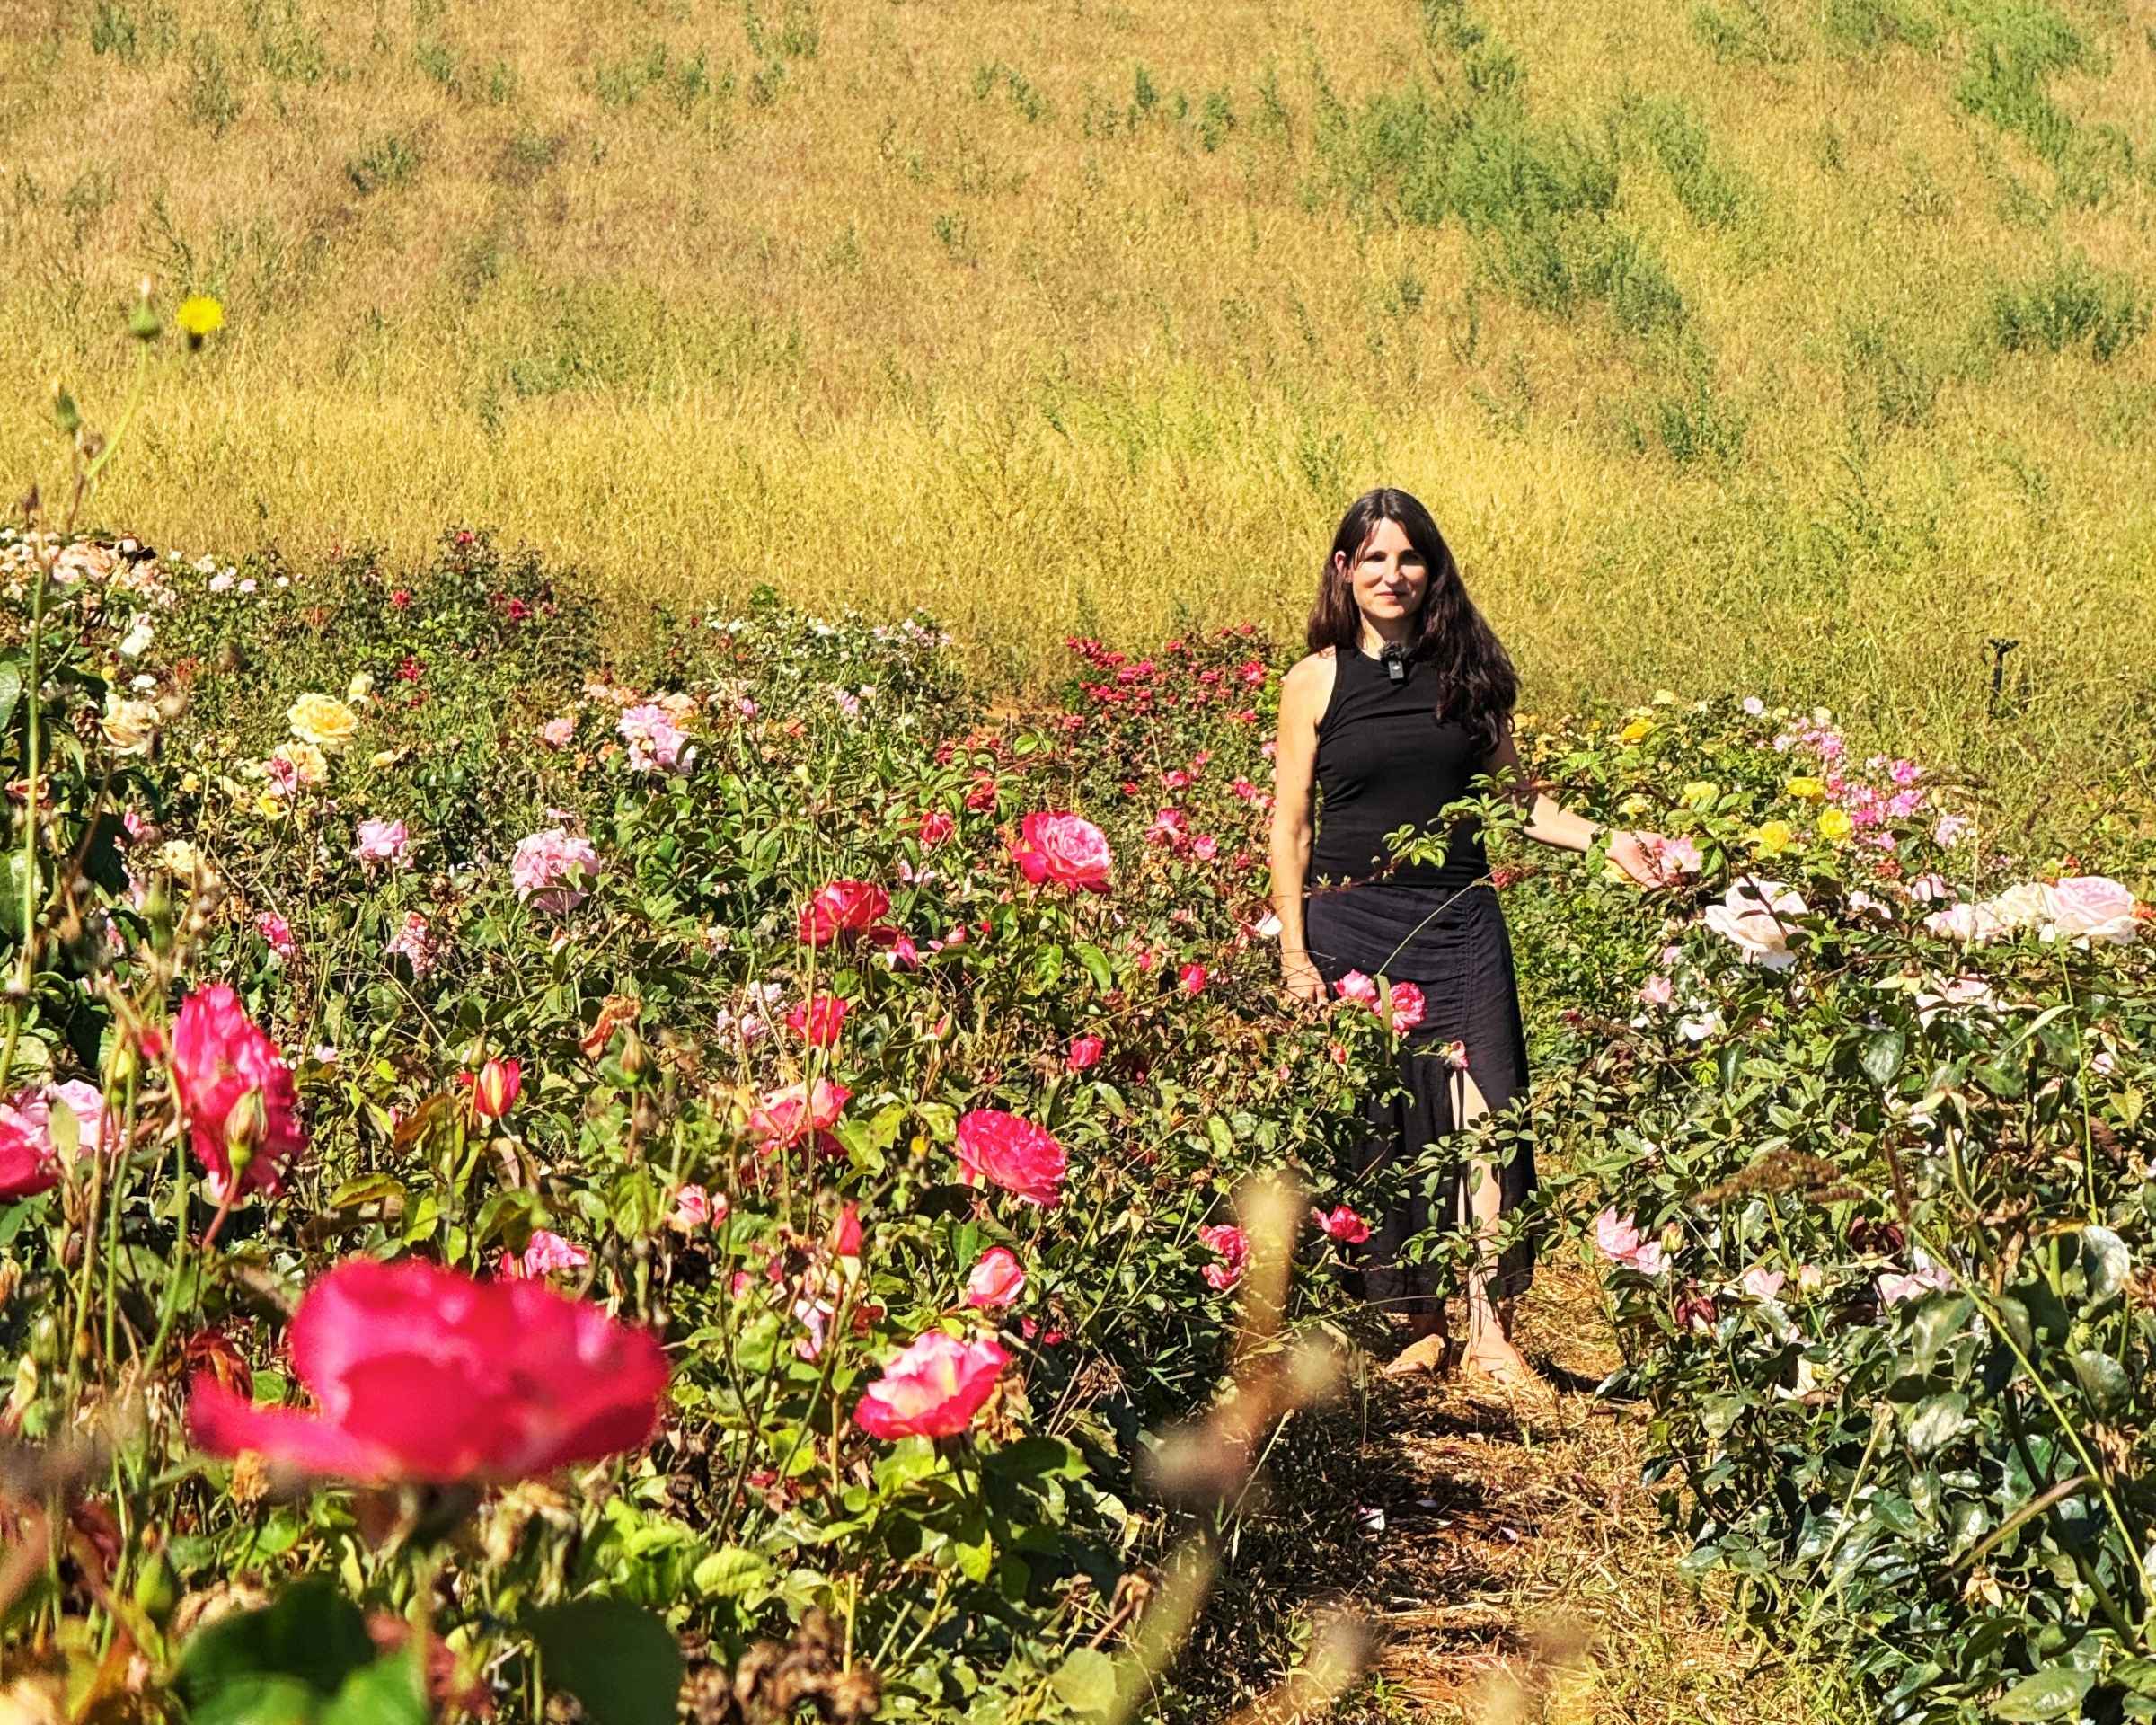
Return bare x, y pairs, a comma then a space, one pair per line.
385, 757
361, 689
190, 782
271, 806
1835, 826
327, 723
305, 760
1633, 807
1700, 793
1636, 730
1806, 789
1774, 837
129, 726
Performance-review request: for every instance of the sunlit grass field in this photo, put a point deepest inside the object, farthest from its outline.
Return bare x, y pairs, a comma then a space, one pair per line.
1796, 345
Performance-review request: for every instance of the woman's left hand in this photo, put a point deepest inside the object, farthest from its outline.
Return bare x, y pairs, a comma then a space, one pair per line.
1638, 856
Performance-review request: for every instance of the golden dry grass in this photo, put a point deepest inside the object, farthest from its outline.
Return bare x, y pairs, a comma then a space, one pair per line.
1071, 315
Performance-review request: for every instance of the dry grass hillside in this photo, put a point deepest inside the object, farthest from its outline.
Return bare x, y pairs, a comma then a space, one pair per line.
1795, 344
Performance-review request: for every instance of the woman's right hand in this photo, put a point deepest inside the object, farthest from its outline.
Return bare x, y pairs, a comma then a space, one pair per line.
1302, 980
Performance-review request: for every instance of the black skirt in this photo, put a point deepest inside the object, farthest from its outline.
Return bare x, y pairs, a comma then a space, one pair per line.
1451, 943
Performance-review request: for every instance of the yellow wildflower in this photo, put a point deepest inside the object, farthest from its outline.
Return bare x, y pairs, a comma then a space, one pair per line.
1774, 837
1700, 793
1806, 789
199, 315
1636, 730
329, 724
1835, 826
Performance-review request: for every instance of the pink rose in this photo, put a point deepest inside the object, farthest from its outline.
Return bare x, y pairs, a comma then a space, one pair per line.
1011, 1152
1067, 849
550, 869
997, 1280
543, 1254
2092, 906
1762, 1283
420, 1373
695, 1209
558, 733
1894, 1287
934, 1389
243, 1113
1658, 990
1233, 1245
1354, 986
1407, 1007
1085, 1049
382, 841
786, 1116
818, 1020
1341, 1224
1618, 1240
936, 826
274, 929
1190, 977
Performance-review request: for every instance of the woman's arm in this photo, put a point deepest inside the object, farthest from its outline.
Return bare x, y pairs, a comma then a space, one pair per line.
1294, 776
1550, 822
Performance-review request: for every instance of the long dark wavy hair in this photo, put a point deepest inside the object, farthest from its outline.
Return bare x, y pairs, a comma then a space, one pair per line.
1476, 686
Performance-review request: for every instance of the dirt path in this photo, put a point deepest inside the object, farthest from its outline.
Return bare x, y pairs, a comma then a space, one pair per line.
1519, 1570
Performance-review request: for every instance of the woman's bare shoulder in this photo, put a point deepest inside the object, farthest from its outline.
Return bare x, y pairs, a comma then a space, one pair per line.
1309, 681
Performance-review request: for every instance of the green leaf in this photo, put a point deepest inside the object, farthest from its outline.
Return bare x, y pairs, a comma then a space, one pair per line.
2103, 1379
259, 1701
1937, 1420
1085, 1682
313, 1635
390, 1692
620, 1661
1222, 1133
2055, 1689
1882, 1057
1097, 966
11, 691
1936, 1324
729, 1572
2106, 1263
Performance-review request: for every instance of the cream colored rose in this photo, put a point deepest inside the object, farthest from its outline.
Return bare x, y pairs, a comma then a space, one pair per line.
329, 724
129, 726
177, 857
361, 688
308, 762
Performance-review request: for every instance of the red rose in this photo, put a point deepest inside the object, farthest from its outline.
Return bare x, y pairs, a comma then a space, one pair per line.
842, 908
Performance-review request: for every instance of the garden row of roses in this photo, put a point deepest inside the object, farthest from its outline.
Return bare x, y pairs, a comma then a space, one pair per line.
1866, 1131
649, 1040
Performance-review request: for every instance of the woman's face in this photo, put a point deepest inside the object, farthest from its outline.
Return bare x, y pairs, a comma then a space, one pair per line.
1390, 581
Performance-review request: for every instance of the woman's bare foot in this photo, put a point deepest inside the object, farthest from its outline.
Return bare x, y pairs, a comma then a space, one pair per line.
1503, 1364
1423, 1355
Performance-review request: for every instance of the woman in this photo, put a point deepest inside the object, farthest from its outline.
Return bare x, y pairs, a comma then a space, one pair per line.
1405, 697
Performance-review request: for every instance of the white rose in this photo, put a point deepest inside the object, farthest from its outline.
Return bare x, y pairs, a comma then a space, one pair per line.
1757, 923
2090, 906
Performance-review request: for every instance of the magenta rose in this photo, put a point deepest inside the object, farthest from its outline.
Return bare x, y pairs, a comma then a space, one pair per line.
1006, 1150
236, 1092
420, 1373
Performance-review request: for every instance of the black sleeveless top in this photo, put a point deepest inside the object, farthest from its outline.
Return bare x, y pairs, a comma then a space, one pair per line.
1385, 761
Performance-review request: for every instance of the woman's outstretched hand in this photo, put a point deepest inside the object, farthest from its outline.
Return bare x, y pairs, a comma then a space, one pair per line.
1638, 857
1300, 977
